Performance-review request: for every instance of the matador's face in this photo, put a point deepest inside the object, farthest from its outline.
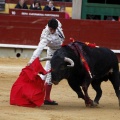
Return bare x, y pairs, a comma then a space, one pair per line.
52, 31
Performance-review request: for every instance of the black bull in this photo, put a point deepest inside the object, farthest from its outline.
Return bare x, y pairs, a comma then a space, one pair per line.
66, 63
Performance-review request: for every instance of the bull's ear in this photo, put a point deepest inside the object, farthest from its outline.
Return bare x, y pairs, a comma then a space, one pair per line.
69, 61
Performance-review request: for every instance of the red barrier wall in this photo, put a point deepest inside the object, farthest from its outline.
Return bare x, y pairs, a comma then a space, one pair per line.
27, 29
103, 33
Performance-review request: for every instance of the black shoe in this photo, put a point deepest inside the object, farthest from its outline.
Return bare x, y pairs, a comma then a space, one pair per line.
46, 102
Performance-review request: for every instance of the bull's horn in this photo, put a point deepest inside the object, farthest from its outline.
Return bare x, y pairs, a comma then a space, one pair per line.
69, 61
45, 59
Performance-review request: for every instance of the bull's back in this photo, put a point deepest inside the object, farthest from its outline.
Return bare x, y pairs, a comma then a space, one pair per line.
103, 59
103, 54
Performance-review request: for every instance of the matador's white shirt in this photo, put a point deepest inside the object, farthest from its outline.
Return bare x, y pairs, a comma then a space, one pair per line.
52, 41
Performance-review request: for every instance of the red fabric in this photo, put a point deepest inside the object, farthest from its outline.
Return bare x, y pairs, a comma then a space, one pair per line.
86, 65
84, 62
29, 90
72, 40
90, 44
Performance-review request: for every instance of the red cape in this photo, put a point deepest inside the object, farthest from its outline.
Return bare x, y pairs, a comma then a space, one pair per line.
28, 90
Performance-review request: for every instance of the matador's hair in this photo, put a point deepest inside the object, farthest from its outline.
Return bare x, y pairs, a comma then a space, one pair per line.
53, 23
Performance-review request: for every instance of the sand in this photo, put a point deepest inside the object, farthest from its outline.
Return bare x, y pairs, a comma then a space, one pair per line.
69, 108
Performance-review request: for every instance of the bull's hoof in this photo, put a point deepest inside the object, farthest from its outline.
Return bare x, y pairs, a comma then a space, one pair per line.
88, 105
95, 104
91, 104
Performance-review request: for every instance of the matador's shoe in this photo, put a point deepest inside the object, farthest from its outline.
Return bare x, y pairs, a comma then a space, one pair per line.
46, 102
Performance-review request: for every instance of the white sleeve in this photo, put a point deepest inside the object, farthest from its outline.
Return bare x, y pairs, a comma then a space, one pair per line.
42, 44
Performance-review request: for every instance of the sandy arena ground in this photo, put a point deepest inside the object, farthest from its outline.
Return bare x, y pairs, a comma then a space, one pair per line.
69, 108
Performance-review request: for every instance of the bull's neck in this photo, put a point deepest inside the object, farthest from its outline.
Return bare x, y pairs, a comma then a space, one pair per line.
77, 48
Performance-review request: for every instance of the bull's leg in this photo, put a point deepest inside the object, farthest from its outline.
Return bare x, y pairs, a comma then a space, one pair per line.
77, 89
88, 101
96, 86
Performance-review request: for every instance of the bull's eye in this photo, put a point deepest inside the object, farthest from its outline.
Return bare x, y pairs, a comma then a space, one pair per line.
62, 67
52, 69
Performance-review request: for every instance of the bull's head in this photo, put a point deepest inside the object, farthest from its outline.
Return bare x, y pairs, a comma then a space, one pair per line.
60, 68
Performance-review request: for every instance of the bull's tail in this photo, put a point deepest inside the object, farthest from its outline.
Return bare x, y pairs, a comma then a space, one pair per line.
119, 96
114, 77
119, 104
119, 91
